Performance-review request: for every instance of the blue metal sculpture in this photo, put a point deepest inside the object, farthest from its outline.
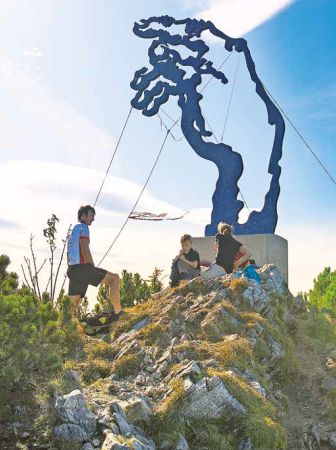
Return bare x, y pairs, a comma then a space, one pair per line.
170, 79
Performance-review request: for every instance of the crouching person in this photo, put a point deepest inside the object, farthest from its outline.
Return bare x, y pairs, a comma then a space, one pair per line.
226, 249
186, 265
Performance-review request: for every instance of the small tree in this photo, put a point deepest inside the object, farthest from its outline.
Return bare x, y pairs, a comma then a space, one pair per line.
9, 281
323, 294
103, 301
127, 289
142, 289
133, 289
155, 282
32, 271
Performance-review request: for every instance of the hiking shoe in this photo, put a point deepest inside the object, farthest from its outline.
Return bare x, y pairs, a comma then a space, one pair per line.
116, 317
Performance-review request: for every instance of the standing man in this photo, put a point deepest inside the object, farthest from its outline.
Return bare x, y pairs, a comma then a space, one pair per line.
81, 269
186, 265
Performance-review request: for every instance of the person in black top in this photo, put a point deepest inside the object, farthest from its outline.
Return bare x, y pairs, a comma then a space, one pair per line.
186, 265
226, 249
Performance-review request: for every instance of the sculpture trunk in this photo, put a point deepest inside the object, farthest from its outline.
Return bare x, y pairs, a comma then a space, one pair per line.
226, 206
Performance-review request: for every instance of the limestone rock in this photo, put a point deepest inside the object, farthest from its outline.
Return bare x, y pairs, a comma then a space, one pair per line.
124, 427
141, 443
139, 410
209, 398
143, 323
72, 375
257, 298
182, 443
246, 444
332, 440
272, 280
257, 386
328, 383
277, 351
71, 432
88, 446
189, 369
112, 443
72, 409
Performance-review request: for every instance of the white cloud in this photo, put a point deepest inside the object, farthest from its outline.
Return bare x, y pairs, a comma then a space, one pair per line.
238, 17
80, 138
34, 52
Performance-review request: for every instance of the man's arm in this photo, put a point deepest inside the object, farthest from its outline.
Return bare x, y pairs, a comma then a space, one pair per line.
216, 247
192, 264
85, 251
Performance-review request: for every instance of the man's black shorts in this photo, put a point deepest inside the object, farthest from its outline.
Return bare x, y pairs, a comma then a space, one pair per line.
81, 275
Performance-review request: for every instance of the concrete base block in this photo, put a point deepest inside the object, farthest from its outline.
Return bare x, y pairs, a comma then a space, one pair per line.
265, 249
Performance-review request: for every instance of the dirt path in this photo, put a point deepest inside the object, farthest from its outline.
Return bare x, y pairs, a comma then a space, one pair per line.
307, 421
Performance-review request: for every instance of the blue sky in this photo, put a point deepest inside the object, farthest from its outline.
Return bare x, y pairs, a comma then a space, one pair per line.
65, 69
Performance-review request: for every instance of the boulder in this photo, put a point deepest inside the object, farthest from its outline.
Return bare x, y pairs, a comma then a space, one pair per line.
272, 280
332, 440
72, 375
124, 427
189, 369
88, 446
79, 421
328, 383
209, 398
139, 411
71, 432
182, 443
141, 443
257, 298
277, 350
246, 444
112, 443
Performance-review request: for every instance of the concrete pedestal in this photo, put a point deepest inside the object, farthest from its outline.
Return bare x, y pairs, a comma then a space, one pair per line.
264, 248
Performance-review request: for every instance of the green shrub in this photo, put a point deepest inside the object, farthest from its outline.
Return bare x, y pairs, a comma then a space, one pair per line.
30, 339
34, 336
323, 294
321, 327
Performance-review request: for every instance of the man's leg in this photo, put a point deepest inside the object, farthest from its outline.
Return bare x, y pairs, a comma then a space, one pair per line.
75, 292
187, 272
174, 274
112, 282
75, 301
214, 271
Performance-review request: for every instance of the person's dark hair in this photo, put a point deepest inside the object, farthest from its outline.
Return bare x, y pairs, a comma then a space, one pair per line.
185, 238
85, 210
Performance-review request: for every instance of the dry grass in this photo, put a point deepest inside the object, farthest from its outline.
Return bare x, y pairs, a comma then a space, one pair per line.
127, 365
260, 423
198, 350
171, 403
237, 352
238, 285
155, 333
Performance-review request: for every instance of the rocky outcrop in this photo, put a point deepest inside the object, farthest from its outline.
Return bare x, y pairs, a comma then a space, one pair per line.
209, 398
79, 424
195, 344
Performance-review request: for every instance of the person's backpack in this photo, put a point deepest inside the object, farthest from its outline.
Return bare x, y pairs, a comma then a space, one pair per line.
249, 272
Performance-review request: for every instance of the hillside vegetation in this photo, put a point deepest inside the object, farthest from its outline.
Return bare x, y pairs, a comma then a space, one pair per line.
225, 364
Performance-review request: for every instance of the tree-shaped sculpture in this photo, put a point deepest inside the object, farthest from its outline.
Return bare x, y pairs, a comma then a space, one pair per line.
167, 78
